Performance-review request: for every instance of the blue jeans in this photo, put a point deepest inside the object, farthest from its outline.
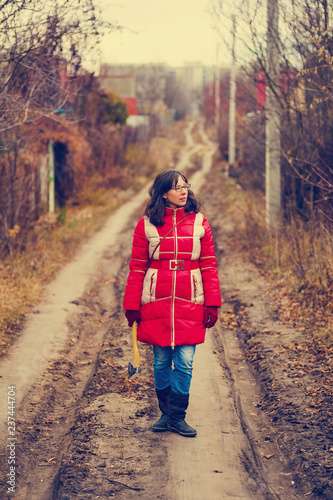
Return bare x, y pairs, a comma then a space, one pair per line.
173, 367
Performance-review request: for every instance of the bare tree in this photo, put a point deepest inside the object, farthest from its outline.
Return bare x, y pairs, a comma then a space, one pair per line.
305, 90
42, 45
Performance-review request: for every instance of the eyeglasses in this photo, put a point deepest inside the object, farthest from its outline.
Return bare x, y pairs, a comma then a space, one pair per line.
179, 188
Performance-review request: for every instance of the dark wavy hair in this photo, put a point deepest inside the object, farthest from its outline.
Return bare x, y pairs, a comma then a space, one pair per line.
162, 184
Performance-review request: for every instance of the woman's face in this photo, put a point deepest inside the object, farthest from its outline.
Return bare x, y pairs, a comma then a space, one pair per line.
176, 199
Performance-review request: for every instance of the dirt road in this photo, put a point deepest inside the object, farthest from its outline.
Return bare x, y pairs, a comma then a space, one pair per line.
83, 430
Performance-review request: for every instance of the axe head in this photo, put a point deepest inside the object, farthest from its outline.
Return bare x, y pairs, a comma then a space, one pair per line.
133, 369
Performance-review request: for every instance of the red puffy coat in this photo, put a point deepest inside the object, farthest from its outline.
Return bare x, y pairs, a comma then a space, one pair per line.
180, 281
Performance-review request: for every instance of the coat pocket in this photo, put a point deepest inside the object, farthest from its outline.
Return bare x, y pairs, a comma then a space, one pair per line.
152, 288
197, 288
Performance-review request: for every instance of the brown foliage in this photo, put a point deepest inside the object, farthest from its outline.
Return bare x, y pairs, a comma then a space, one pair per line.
20, 167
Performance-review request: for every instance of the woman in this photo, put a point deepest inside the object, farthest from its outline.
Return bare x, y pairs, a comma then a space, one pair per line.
172, 291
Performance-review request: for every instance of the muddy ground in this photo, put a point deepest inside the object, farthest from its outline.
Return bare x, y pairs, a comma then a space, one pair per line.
84, 430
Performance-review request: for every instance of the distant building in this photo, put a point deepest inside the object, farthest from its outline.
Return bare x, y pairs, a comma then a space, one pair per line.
110, 80
149, 88
121, 84
194, 76
145, 83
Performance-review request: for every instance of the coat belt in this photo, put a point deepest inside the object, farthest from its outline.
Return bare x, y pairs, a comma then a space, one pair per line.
174, 265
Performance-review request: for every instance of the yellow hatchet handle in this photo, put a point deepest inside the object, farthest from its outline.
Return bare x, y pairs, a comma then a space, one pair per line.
136, 353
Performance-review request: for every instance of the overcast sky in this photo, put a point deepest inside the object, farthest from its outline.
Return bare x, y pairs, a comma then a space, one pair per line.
170, 31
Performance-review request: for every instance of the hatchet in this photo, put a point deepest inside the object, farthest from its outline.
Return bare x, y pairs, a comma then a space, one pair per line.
136, 367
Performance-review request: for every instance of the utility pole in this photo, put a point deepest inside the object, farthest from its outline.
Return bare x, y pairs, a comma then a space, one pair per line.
232, 101
51, 178
273, 121
217, 91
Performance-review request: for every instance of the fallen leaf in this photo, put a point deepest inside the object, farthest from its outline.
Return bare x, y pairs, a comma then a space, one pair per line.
107, 282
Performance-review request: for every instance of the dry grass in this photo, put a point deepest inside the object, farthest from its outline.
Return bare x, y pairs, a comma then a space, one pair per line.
196, 135
299, 257
166, 148
304, 252
175, 132
299, 252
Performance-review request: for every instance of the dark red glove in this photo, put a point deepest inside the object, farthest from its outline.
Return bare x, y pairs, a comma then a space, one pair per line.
210, 316
132, 316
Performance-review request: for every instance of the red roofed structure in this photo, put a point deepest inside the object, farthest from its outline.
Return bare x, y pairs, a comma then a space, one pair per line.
132, 105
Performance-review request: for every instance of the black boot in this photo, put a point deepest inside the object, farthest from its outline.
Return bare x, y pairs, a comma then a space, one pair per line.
163, 402
178, 404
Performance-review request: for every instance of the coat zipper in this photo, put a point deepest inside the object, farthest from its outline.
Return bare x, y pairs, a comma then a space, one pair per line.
173, 288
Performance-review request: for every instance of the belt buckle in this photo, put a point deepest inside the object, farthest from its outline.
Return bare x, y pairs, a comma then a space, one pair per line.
176, 265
